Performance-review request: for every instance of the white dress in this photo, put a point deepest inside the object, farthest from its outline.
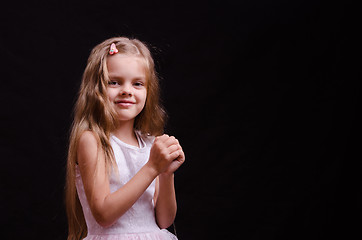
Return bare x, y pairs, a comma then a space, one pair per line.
139, 221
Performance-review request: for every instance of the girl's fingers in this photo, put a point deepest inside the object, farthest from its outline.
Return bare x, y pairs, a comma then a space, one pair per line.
174, 155
181, 157
173, 148
170, 147
170, 141
162, 138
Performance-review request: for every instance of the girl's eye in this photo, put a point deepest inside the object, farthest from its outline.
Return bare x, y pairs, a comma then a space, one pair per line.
112, 83
139, 84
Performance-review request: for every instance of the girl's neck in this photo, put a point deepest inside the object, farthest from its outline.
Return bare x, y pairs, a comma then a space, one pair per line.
125, 132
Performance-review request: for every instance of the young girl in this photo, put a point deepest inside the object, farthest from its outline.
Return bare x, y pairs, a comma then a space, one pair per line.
119, 176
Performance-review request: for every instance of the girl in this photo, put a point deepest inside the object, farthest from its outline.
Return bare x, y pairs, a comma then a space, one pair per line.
119, 176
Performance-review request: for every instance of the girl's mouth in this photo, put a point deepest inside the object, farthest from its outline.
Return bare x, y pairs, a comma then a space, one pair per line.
124, 103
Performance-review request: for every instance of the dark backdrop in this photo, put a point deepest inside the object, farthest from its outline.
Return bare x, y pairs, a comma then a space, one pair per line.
261, 94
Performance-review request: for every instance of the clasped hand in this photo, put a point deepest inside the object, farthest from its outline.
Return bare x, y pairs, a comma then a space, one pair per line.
166, 154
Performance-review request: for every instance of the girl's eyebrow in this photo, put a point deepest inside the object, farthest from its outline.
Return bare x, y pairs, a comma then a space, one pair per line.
139, 79
121, 77
114, 76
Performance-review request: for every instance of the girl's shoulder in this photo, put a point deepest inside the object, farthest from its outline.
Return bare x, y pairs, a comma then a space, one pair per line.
87, 137
87, 147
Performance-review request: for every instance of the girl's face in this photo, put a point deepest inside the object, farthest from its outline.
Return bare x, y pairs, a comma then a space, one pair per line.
127, 85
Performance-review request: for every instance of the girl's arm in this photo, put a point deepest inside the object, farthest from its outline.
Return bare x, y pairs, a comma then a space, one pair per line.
166, 205
107, 207
165, 197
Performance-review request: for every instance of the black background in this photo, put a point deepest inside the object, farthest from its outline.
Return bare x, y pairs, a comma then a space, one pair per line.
261, 94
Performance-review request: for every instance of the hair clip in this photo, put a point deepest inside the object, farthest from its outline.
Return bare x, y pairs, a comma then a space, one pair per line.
113, 49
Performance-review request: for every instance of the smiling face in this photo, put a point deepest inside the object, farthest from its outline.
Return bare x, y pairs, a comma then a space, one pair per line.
126, 89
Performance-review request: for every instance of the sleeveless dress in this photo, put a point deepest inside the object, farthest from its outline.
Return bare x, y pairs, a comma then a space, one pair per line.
139, 221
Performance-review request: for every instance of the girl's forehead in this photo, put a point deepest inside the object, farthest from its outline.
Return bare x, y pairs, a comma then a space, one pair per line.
119, 63
124, 57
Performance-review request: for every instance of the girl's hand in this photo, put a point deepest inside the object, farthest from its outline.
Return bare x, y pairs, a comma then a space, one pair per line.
176, 163
166, 154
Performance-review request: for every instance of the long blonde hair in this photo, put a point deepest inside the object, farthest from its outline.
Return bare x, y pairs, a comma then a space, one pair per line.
93, 112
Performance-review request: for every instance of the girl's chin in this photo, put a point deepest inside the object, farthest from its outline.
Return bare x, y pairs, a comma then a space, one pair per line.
126, 115
126, 118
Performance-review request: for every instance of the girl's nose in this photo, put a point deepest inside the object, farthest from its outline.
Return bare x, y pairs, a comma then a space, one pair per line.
126, 90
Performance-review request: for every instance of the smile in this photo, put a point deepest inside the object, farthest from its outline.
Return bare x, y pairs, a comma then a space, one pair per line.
124, 103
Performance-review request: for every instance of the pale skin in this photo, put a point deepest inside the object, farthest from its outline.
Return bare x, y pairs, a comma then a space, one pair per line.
127, 91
